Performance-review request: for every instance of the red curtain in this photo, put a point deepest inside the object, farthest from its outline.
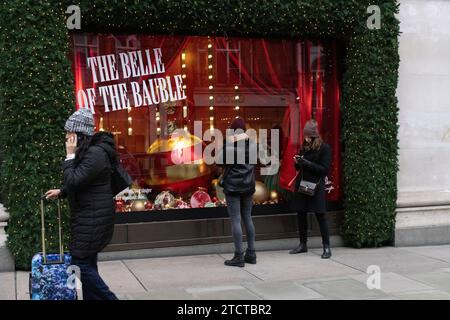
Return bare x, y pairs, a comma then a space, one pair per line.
322, 104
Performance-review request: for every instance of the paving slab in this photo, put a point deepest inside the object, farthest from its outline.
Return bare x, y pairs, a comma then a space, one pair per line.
436, 252
187, 272
423, 295
157, 295
283, 290
392, 282
7, 286
345, 289
389, 259
235, 292
280, 265
23, 285
119, 278
438, 279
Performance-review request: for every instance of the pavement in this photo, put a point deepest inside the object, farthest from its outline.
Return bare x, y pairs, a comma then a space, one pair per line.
411, 273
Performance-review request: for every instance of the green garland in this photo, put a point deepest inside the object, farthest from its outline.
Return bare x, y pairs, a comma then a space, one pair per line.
36, 93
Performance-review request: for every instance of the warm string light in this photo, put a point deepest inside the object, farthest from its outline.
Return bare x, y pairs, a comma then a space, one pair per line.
130, 122
236, 99
210, 86
158, 123
184, 76
101, 124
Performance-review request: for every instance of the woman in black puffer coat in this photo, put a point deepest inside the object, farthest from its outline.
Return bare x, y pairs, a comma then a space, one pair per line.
87, 185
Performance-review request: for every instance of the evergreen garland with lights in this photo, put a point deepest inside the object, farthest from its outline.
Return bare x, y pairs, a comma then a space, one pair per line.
37, 95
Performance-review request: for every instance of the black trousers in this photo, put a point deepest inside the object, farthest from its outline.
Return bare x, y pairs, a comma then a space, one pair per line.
94, 288
303, 227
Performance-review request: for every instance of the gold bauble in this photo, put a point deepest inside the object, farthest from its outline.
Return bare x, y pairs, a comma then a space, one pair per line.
138, 205
273, 195
261, 193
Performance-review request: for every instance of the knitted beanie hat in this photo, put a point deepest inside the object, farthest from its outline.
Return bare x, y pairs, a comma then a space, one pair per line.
81, 121
311, 129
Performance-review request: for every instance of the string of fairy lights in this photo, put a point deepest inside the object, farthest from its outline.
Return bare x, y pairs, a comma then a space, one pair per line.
236, 100
210, 84
184, 102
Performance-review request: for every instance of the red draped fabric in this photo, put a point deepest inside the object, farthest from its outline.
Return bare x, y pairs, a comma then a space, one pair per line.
322, 76
319, 90
298, 114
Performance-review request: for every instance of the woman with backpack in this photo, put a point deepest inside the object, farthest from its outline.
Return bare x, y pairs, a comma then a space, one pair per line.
238, 183
87, 185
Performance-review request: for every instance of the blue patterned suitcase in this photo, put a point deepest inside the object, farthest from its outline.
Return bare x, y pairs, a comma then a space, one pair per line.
49, 277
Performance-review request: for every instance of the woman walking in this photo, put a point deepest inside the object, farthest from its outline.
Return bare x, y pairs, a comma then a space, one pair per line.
87, 184
239, 186
313, 164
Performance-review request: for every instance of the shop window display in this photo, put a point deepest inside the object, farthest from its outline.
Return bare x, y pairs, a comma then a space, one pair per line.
271, 83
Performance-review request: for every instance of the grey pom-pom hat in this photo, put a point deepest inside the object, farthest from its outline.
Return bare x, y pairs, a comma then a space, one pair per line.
81, 121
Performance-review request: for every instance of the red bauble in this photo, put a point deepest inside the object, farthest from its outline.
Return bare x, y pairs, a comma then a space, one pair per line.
148, 205
200, 198
120, 205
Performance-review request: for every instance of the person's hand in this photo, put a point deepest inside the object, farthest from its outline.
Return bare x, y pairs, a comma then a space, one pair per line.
305, 163
71, 143
52, 194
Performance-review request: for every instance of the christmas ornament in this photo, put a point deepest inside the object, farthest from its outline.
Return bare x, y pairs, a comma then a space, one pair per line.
180, 204
165, 200
120, 205
176, 164
273, 195
148, 205
200, 198
210, 205
171, 127
261, 193
138, 205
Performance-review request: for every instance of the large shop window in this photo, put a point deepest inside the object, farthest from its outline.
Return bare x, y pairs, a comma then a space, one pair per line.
271, 83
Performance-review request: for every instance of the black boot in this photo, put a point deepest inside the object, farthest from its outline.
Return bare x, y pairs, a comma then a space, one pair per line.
300, 249
237, 261
326, 252
250, 256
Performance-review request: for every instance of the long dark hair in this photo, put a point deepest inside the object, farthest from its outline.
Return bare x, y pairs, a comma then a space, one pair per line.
315, 144
83, 142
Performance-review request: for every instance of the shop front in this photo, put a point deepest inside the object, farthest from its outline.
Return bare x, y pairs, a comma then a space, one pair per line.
145, 89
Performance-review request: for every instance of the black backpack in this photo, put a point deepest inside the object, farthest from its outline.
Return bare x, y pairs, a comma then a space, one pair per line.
120, 179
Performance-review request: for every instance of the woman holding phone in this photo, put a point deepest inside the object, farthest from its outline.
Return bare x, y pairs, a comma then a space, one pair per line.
87, 185
312, 163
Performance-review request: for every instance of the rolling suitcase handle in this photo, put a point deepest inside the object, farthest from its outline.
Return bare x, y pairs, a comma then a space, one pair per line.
61, 253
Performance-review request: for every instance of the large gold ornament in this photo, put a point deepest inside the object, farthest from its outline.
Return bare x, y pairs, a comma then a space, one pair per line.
176, 164
261, 194
138, 205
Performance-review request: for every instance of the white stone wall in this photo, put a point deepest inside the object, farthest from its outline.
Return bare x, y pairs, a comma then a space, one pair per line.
424, 101
423, 213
